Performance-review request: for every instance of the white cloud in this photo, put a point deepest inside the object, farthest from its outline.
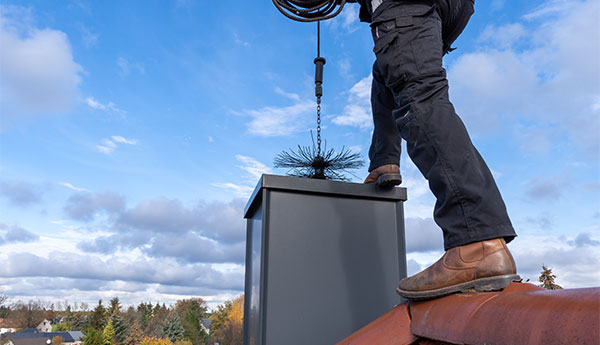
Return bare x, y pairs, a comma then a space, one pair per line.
126, 67
109, 145
504, 36
540, 75
549, 8
239, 190
70, 186
293, 96
239, 41
347, 20
122, 140
254, 170
423, 235
253, 167
575, 262
89, 38
37, 71
95, 104
357, 112
21, 193
281, 121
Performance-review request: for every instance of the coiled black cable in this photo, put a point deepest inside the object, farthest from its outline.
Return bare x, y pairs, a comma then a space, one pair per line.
309, 10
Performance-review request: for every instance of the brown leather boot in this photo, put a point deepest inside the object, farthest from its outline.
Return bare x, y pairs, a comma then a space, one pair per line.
385, 176
482, 266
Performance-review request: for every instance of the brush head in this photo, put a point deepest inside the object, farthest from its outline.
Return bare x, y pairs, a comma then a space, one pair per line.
308, 162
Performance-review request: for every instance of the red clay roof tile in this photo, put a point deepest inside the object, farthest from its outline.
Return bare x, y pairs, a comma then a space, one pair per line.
392, 328
521, 314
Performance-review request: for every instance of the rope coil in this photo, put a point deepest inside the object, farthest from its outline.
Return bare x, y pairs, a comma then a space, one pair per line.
309, 10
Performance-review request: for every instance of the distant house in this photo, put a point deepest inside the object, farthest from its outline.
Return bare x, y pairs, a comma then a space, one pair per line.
7, 326
45, 326
33, 336
205, 325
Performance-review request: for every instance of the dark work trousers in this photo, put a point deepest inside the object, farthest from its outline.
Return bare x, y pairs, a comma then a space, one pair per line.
409, 99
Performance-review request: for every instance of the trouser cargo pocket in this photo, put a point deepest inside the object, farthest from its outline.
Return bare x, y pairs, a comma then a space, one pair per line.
408, 43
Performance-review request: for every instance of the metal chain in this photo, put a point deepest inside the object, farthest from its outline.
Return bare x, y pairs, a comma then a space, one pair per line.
318, 129
319, 96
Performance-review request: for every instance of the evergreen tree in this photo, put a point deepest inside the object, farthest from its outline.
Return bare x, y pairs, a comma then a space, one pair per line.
109, 334
115, 306
93, 337
144, 312
547, 279
97, 320
172, 327
120, 327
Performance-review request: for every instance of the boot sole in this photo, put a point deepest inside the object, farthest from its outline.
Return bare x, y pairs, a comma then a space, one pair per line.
496, 283
389, 180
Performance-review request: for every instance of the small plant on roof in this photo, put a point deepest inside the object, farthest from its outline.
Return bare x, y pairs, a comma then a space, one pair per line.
312, 162
547, 279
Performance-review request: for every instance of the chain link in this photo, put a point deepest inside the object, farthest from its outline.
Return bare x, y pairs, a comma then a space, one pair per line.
318, 129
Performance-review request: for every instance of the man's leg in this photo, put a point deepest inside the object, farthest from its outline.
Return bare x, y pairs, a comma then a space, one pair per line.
469, 208
384, 153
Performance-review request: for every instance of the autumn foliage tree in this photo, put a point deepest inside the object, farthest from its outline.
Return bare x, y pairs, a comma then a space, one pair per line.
135, 336
155, 341
227, 322
547, 279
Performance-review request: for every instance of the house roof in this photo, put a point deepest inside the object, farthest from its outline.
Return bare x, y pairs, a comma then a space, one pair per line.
77, 335
40, 335
521, 314
35, 341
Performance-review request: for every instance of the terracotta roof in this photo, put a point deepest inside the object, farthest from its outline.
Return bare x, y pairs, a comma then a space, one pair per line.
521, 314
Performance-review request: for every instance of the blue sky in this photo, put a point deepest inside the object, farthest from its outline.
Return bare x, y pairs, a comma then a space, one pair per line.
132, 133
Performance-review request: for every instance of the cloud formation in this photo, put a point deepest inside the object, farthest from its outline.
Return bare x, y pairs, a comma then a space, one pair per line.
508, 79
109, 145
149, 271
84, 206
573, 259
274, 121
97, 105
254, 170
20, 193
126, 67
357, 112
13, 234
163, 227
543, 189
423, 235
37, 71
